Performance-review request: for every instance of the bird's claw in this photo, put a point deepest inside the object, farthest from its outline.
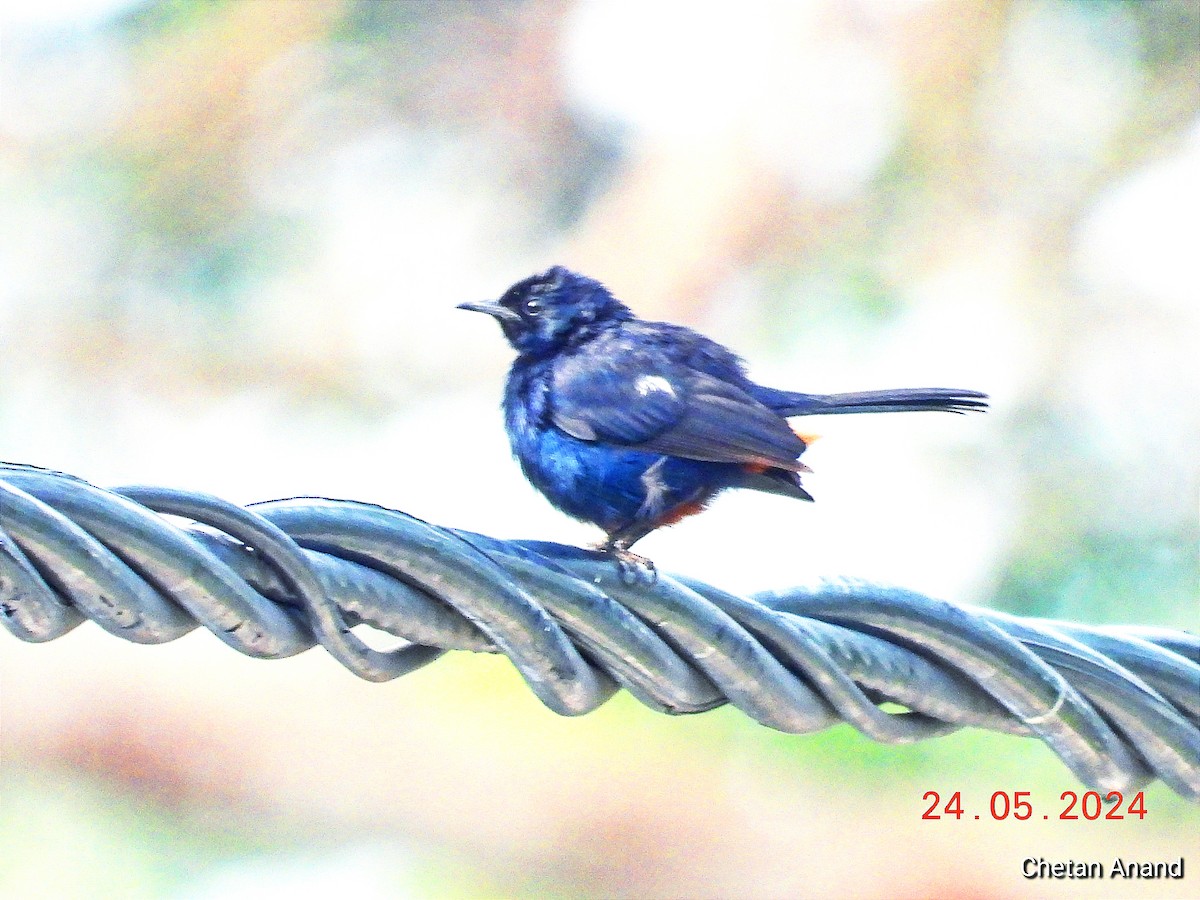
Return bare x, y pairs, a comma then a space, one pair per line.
631, 567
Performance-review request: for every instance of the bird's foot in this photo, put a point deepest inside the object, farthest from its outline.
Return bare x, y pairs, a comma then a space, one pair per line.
631, 566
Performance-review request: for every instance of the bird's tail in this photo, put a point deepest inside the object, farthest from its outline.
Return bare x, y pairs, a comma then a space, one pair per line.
791, 403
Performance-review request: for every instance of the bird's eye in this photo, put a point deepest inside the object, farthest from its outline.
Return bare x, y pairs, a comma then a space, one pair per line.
533, 306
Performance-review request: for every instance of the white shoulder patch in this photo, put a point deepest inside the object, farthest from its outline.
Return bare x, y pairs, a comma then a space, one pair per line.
576, 428
647, 384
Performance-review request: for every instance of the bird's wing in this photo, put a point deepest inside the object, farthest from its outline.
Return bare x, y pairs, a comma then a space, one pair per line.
638, 400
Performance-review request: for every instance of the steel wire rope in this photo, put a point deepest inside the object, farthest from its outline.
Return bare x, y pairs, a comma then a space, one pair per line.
1120, 705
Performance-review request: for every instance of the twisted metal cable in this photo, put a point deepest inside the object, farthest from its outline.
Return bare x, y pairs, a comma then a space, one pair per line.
1120, 706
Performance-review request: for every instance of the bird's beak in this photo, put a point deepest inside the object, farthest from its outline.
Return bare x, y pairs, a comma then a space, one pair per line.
501, 313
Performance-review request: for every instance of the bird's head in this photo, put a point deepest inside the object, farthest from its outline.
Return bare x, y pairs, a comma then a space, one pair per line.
545, 312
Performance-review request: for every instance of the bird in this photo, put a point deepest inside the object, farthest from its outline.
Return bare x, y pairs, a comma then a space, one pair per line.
633, 425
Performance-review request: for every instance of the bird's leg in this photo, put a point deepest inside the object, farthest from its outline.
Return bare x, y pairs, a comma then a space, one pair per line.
631, 566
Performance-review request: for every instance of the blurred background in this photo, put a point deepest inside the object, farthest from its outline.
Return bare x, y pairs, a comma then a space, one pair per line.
233, 237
